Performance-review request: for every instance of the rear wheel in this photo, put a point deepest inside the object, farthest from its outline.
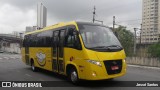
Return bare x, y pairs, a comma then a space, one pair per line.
34, 69
73, 76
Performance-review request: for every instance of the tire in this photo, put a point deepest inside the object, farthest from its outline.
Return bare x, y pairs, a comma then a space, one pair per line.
73, 76
34, 69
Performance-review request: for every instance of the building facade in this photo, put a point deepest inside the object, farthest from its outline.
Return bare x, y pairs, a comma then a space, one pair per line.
150, 22
10, 43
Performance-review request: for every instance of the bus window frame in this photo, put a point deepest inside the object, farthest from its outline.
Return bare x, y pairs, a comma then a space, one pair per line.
77, 36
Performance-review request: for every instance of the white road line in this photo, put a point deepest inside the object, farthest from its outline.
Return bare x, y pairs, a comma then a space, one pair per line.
144, 67
41, 80
28, 75
6, 58
12, 57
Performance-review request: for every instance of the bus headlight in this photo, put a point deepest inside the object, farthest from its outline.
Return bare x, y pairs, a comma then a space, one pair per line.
95, 62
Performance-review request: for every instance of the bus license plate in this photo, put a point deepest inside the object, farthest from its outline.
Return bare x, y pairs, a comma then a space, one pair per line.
114, 67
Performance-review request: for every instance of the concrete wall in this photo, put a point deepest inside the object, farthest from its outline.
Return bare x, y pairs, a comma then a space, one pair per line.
154, 62
12, 48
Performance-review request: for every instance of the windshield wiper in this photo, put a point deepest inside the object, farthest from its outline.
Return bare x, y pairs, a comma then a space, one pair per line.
99, 47
115, 47
111, 48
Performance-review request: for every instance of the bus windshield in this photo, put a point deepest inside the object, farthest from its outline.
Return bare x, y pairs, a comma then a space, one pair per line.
99, 37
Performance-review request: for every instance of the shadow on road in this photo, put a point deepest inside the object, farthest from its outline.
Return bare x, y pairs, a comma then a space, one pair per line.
63, 81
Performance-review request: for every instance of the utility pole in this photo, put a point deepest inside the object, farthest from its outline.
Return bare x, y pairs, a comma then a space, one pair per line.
140, 33
113, 22
135, 29
21, 39
94, 13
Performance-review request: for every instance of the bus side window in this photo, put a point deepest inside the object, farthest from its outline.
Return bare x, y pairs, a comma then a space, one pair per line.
72, 39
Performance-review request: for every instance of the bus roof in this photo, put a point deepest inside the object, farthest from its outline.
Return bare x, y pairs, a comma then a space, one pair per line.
53, 27
61, 25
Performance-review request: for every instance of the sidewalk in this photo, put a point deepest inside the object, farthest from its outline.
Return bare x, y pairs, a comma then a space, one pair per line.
140, 66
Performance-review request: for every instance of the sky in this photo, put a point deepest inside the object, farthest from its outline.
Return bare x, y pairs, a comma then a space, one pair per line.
15, 15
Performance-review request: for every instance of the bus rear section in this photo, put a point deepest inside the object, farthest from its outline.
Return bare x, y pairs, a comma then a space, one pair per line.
78, 50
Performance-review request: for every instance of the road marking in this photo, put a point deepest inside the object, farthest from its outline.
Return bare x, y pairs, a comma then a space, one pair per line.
41, 80
28, 75
12, 57
144, 67
6, 58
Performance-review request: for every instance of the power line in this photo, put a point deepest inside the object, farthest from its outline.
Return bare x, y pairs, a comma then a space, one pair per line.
132, 20
129, 20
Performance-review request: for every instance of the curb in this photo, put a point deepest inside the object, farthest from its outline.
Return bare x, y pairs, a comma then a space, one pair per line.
148, 67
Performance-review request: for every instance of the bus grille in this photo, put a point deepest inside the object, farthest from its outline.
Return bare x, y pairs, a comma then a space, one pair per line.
112, 63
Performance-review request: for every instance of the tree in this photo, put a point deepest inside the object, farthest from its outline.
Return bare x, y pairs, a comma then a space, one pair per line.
126, 38
154, 50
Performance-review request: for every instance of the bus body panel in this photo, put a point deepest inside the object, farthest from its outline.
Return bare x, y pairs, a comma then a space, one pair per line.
75, 57
86, 70
105, 55
42, 57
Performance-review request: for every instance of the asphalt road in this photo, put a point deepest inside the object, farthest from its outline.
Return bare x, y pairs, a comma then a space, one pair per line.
13, 69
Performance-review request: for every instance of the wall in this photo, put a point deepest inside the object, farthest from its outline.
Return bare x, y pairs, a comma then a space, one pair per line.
154, 62
12, 48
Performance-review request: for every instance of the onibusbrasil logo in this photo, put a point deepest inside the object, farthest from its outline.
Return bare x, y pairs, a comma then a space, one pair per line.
21, 84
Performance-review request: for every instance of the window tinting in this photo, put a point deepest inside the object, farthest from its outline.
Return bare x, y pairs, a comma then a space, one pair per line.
72, 38
42, 39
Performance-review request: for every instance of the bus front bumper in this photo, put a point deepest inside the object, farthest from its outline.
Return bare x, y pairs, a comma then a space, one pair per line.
100, 73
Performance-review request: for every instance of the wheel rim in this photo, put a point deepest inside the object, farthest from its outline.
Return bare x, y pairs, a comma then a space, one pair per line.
74, 76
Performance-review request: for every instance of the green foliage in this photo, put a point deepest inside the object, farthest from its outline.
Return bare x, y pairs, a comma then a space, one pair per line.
126, 38
154, 50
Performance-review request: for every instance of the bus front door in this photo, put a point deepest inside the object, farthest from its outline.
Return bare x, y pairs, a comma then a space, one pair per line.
58, 49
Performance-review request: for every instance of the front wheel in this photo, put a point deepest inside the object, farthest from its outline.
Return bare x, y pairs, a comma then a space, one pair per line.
73, 76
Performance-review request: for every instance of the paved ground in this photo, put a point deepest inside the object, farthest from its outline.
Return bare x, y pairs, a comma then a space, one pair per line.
13, 69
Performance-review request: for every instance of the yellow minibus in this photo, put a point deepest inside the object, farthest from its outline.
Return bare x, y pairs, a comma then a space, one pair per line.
79, 50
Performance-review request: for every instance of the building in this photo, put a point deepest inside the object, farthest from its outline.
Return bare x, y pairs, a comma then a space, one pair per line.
30, 29
18, 34
10, 43
150, 22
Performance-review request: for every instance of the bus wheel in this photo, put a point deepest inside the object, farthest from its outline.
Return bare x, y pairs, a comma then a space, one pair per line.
34, 69
73, 76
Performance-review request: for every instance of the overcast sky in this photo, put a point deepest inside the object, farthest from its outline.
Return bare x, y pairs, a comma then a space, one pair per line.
15, 15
